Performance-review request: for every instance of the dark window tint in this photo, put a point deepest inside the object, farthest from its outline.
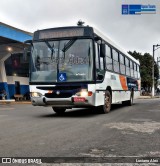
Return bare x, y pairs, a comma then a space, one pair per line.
109, 64
115, 61
122, 64
127, 66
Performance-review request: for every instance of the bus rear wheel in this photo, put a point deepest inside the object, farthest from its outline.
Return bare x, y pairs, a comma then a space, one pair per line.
59, 110
107, 102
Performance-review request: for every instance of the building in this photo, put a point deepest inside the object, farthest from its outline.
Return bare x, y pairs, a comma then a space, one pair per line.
14, 70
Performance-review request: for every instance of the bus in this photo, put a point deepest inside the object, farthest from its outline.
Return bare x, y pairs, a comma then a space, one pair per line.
158, 86
79, 67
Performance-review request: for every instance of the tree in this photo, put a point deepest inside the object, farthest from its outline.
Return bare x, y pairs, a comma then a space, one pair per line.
80, 23
146, 61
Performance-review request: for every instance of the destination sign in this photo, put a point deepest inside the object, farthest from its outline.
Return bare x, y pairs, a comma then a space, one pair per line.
60, 33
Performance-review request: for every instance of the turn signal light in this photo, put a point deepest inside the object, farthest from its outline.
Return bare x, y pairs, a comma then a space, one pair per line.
89, 93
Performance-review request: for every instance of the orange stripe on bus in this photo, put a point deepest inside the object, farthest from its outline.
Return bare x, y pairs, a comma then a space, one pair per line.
123, 82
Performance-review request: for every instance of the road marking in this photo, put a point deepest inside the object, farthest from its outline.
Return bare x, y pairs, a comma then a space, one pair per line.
1, 116
154, 110
10, 108
145, 127
142, 120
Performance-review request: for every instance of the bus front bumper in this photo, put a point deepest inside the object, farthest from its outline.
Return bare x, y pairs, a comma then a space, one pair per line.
70, 102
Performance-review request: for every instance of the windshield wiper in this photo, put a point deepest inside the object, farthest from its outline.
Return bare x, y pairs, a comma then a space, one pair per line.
50, 47
68, 45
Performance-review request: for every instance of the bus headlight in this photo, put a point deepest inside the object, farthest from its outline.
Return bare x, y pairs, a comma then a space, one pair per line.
35, 94
84, 93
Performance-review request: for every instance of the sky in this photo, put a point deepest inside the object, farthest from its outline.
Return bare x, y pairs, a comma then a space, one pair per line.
131, 32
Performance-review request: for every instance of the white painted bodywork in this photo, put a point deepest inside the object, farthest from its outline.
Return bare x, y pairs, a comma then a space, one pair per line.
111, 80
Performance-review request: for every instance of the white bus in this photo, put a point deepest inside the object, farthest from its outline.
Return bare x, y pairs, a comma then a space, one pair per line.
79, 67
158, 84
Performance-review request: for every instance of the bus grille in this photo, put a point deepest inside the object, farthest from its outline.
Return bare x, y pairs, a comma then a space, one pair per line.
61, 95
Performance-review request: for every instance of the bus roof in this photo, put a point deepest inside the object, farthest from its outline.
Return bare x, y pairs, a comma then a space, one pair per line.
70, 32
108, 40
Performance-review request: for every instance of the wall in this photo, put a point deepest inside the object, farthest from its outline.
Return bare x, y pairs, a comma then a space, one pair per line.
24, 85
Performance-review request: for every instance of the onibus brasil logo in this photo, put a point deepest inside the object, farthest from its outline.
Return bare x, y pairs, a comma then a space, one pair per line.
137, 9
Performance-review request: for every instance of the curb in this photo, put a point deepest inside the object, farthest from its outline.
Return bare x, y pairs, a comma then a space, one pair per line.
148, 97
14, 102
7, 101
22, 102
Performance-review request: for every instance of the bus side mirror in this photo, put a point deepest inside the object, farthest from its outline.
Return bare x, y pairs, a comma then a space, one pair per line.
102, 50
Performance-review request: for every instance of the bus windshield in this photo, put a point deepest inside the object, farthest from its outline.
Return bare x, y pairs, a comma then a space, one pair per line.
62, 61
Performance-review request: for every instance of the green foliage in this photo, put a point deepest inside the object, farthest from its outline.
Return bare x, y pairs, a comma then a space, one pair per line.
80, 23
146, 61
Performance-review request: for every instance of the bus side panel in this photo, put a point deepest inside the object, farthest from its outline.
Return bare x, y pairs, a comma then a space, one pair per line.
92, 88
120, 85
99, 98
101, 88
121, 96
119, 88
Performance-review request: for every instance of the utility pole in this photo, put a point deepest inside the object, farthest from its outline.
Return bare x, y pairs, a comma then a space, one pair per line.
153, 87
158, 63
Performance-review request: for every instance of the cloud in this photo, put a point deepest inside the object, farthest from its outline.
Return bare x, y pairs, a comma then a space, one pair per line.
131, 32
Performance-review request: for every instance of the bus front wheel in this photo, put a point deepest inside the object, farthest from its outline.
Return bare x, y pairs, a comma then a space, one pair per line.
59, 110
107, 102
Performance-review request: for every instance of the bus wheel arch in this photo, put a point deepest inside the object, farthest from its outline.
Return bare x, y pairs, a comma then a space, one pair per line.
130, 101
110, 91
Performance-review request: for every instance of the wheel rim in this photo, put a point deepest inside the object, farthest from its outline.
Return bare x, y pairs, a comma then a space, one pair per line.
107, 103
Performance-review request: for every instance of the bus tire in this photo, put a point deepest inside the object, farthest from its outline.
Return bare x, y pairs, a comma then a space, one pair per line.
59, 110
107, 102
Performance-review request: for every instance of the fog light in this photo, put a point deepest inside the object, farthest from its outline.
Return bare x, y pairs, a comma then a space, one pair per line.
35, 94
84, 93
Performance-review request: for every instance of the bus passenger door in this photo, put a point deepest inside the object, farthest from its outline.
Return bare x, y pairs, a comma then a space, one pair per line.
100, 73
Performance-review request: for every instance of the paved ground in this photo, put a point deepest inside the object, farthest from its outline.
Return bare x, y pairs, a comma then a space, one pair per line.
27, 131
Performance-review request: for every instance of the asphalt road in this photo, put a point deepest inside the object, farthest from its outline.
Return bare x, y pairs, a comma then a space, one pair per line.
27, 131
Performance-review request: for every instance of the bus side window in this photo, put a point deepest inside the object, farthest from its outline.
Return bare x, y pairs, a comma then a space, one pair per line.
101, 60
131, 69
135, 70
97, 57
99, 63
127, 66
102, 63
109, 63
122, 64
115, 60
138, 71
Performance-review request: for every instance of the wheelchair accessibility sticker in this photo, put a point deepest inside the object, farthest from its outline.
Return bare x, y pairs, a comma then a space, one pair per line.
62, 77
